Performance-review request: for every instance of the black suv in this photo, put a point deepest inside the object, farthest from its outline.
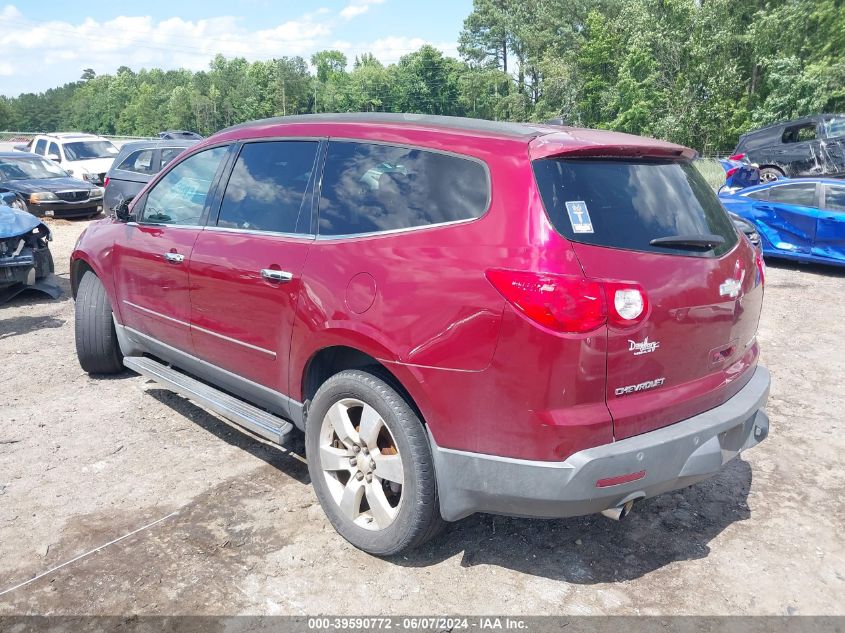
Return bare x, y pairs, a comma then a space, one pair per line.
811, 146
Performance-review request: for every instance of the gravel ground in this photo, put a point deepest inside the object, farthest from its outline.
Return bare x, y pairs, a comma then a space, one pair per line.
84, 462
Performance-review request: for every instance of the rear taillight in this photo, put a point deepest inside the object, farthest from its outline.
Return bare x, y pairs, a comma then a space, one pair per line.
736, 157
731, 172
106, 181
571, 304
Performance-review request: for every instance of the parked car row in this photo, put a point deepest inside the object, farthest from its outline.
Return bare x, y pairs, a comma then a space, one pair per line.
73, 175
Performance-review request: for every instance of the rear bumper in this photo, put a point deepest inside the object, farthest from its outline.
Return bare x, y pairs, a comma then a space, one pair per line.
673, 457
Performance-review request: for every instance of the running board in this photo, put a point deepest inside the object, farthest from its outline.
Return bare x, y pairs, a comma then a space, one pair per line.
241, 413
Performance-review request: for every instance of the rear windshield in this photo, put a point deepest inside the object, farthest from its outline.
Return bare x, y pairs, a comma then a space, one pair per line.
86, 150
628, 203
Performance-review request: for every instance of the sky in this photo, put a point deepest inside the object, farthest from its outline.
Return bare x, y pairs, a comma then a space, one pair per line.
45, 44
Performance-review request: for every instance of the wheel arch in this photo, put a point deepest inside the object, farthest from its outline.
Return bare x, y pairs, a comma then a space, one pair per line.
333, 359
78, 268
777, 168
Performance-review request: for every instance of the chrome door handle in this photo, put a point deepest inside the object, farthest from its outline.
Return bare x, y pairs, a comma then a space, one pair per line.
174, 258
271, 274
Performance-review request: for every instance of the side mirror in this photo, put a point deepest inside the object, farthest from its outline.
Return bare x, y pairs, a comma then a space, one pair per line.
54, 157
121, 211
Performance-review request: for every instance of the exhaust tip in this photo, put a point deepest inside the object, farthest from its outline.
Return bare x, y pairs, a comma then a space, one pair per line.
619, 512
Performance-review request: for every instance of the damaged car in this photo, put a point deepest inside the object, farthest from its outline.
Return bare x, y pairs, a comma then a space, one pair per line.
25, 259
810, 146
802, 219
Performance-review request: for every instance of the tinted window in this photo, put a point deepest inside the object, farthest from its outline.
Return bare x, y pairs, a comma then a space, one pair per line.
168, 154
267, 187
369, 188
835, 198
29, 167
760, 194
800, 133
803, 194
54, 151
626, 204
180, 196
834, 126
84, 150
40, 146
763, 138
140, 162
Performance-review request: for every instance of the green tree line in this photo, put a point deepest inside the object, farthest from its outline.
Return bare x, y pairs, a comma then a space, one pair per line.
697, 72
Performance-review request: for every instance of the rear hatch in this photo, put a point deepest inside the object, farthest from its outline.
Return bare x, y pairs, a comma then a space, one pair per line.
657, 225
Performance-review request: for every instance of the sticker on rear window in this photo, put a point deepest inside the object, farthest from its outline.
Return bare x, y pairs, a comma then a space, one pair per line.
579, 217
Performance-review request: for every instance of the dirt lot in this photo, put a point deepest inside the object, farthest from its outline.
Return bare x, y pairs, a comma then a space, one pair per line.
84, 462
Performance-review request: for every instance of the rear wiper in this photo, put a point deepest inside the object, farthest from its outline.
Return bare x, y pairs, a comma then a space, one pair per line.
693, 241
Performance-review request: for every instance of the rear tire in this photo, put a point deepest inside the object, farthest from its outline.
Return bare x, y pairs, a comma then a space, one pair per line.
96, 340
770, 174
374, 478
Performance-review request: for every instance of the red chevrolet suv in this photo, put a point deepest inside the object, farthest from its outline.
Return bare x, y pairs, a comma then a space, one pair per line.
462, 316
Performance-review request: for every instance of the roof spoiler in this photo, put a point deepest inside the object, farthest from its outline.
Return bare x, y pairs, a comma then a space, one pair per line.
578, 143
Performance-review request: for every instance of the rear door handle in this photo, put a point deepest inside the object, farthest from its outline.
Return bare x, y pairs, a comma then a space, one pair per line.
174, 258
271, 274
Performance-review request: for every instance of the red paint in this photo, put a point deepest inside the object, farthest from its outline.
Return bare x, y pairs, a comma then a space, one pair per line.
488, 373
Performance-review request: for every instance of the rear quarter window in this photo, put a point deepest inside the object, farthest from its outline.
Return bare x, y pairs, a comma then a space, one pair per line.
627, 204
140, 161
370, 188
763, 138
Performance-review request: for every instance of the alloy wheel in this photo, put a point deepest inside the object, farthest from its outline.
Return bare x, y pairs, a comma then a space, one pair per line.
360, 461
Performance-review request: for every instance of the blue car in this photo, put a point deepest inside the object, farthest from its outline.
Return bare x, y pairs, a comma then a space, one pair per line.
739, 173
25, 259
802, 219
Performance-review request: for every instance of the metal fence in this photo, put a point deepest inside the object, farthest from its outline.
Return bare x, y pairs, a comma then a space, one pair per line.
7, 136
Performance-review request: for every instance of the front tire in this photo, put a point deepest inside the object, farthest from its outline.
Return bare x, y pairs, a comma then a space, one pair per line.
96, 340
370, 464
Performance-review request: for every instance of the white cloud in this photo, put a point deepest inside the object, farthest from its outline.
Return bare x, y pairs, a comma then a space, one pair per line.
357, 7
389, 49
60, 50
35, 56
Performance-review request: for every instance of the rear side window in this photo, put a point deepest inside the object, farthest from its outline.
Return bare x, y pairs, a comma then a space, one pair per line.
626, 204
140, 162
266, 191
835, 198
800, 194
763, 138
168, 154
800, 133
369, 188
40, 147
760, 194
